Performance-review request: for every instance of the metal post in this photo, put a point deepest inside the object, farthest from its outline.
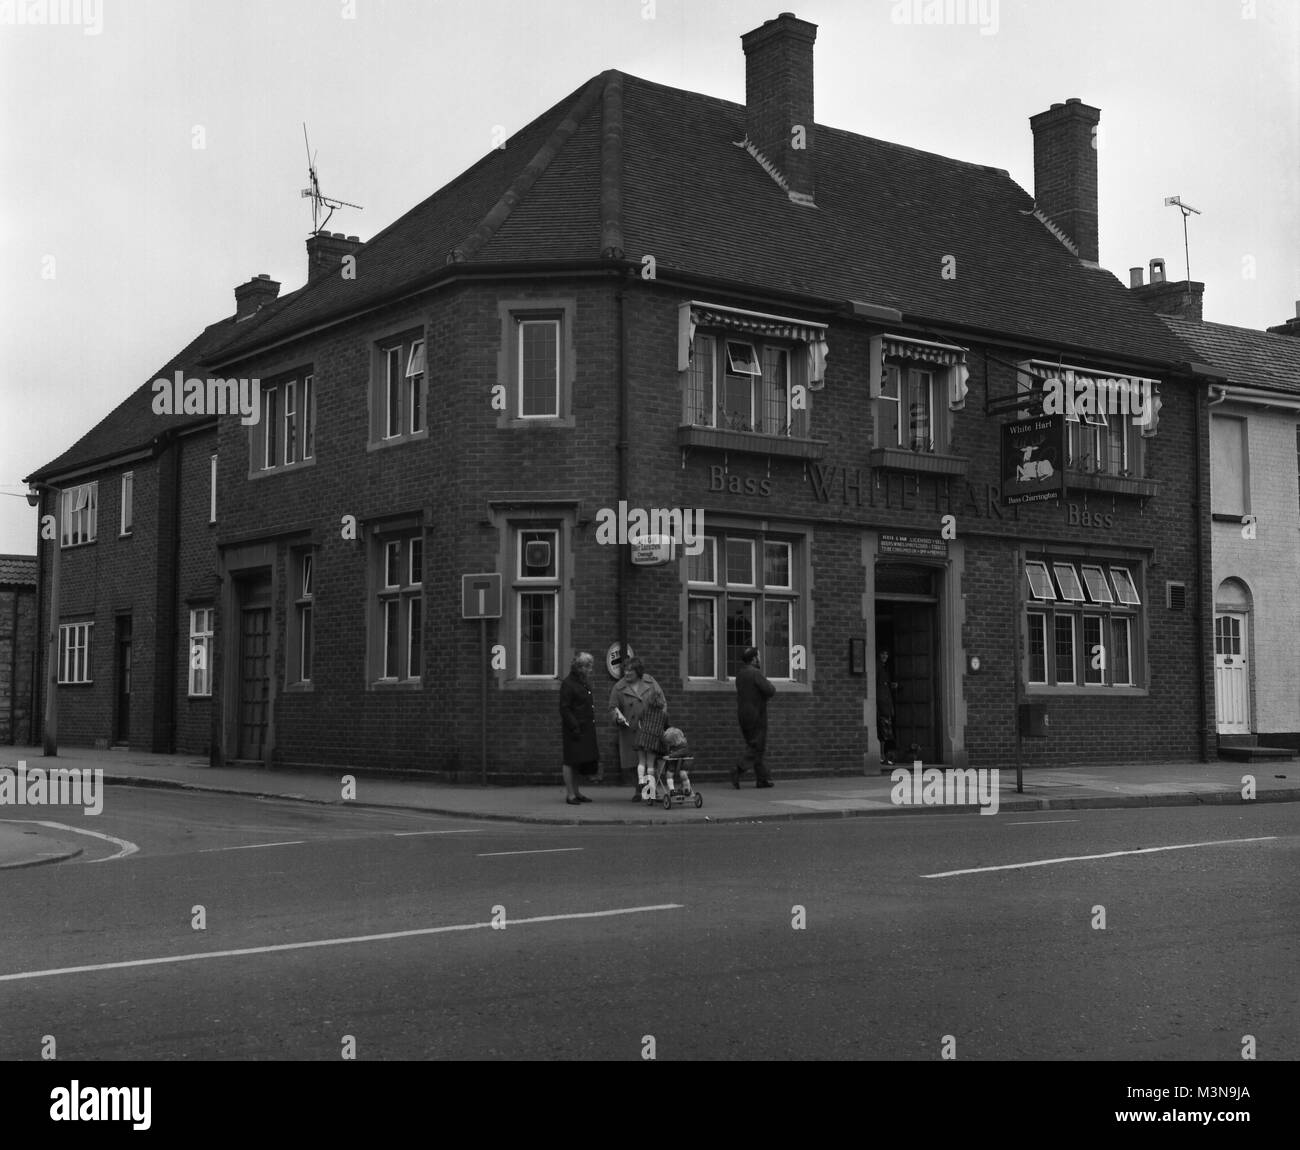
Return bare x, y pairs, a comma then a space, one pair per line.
483, 699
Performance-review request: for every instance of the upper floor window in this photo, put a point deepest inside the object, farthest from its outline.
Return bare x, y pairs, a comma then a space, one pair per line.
914, 385
536, 600
1229, 466
127, 499
399, 395
80, 514
300, 614
536, 363
285, 435
743, 385
1106, 417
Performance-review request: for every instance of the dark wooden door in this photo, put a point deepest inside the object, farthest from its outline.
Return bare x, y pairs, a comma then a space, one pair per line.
254, 679
122, 677
916, 700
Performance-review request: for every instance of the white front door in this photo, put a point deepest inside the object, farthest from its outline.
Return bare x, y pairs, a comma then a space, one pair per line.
1231, 677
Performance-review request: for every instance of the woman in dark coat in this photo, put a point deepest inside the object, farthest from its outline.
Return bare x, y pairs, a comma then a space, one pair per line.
578, 719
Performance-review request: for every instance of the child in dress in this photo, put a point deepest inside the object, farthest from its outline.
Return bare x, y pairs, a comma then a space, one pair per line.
677, 754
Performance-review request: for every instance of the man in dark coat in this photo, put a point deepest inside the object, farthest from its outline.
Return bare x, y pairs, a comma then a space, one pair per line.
752, 693
578, 718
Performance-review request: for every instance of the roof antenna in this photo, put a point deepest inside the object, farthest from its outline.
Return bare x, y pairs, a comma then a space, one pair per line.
318, 198
1186, 209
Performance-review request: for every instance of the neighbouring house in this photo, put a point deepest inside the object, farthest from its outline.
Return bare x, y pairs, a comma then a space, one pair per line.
649, 305
1255, 504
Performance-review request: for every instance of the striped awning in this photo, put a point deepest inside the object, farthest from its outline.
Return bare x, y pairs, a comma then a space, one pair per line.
755, 325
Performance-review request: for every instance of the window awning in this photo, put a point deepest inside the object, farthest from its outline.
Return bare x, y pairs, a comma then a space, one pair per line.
1142, 401
944, 356
756, 325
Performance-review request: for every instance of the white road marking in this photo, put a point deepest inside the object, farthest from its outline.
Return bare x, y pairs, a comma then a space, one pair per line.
128, 848
466, 831
548, 851
386, 937
1039, 822
1107, 855
252, 846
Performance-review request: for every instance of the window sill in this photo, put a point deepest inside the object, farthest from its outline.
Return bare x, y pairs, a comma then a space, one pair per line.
1074, 691
396, 441
395, 685
300, 688
1114, 484
199, 698
924, 462
719, 687
282, 468
72, 546
750, 442
85, 683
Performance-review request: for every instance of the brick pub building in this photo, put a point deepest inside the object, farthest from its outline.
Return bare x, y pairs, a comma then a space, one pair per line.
655, 299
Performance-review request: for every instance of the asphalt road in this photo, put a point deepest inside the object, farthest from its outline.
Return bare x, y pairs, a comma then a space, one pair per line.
687, 940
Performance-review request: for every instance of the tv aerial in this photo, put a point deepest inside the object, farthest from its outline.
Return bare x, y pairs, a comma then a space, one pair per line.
1187, 210
320, 201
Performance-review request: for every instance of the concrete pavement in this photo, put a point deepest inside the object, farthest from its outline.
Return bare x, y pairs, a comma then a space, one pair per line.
1142, 784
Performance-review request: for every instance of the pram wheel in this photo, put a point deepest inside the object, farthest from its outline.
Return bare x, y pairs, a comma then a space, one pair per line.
699, 799
668, 800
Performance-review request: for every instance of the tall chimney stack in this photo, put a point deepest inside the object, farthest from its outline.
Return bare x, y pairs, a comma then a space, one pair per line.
325, 252
252, 296
1291, 326
779, 99
1065, 171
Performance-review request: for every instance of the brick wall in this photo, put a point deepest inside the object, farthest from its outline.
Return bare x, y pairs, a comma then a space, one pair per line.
18, 639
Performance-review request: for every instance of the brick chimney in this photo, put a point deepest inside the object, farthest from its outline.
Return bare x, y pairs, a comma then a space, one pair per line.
1181, 299
252, 296
779, 100
1291, 326
1065, 171
325, 252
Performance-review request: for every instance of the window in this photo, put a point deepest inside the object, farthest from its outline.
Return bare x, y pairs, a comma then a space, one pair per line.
538, 369
128, 485
399, 389
913, 385
80, 514
212, 489
74, 652
285, 435
1104, 416
201, 631
1229, 492
398, 633
750, 601
537, 601
536, 364
739, 385
905, 409
300, 615
1080, 622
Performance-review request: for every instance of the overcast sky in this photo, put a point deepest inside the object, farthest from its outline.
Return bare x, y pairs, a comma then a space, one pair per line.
122, 239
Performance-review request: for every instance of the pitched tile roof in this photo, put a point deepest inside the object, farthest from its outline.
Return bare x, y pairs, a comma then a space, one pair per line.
133, 424
20, 569
1244, 356
886, 218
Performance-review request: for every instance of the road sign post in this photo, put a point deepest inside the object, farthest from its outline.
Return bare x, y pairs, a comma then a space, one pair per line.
480, 598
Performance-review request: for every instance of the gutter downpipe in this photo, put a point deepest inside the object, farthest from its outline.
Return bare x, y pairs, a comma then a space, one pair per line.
622, 449
1205, 562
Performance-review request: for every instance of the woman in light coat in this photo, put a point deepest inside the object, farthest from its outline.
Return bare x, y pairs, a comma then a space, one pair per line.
633, 695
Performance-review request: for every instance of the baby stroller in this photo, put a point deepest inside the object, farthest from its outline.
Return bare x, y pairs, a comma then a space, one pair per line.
673, 778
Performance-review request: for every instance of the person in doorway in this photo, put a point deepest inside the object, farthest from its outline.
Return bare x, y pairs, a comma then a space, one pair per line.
629, 701
752, 693
885, 709
578, 719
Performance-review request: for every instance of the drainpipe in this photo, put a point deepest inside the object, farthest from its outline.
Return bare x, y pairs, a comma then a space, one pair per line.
622, 464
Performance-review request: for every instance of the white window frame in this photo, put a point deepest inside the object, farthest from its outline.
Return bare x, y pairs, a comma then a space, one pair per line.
290, 388
270, 422
202, 630
416, 398
75, 649
1114, 613
393, 385
302, 642
212, 489
79, 514
392, 555
307, 441
534, 586
127, 501
525, 321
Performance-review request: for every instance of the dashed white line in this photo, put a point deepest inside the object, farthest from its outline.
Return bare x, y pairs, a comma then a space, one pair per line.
127, 848
1107, 855
252, 846
548, 851
386, 937
1038, 822
465, 831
